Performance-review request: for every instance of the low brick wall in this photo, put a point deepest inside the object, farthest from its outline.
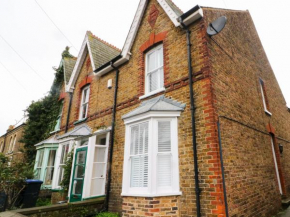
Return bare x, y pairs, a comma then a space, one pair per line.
57, 196
77, 209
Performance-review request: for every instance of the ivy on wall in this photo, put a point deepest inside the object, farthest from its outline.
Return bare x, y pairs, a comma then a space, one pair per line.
42, 114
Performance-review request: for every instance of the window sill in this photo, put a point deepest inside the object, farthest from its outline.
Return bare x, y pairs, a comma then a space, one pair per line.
152, 93
151, 195
268, 113
80, 121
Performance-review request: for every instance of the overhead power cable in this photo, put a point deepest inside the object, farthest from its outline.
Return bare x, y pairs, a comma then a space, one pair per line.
12, 75
55, 25
21, 57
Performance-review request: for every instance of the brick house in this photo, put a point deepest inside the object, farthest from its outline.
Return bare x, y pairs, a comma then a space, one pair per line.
158, 140
10, 144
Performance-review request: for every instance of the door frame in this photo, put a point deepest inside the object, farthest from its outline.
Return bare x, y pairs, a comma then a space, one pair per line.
71, 199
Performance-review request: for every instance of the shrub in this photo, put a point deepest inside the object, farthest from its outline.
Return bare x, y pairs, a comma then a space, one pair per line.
107, 214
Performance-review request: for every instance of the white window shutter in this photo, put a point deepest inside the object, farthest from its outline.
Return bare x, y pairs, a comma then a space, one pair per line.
139, 155
164, 168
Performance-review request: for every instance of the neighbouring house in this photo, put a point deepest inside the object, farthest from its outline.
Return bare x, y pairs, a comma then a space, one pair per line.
10, 144
177, 123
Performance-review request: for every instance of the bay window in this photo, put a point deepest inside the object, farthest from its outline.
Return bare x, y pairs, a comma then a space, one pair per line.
151, 156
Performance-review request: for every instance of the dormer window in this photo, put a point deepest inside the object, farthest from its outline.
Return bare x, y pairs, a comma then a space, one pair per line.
84, 102
154, 75
264, 97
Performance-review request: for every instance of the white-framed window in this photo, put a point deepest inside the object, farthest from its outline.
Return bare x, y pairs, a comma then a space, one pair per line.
39, 162
84, 102
154, 73
151, 157
99, 165
49, 169
264, 97
58, 121
65, 148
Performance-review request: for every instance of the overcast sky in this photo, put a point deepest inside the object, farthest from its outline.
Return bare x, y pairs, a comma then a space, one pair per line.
31, 44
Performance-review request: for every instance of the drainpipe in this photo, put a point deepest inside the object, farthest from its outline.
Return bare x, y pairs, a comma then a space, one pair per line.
112, 137
222, 166
193, 127
68, 113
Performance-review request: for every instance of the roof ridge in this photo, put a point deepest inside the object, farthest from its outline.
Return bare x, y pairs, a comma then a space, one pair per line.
103, 41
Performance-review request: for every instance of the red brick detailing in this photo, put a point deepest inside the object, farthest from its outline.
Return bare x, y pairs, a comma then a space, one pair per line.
153, 15
88, 63
87, 80
270, 128
61, 96
150, 43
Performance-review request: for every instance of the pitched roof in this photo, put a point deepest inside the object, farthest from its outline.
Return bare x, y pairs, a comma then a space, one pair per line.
99, 51
68, 66
172, 11
82, 130
50, 140
159, 103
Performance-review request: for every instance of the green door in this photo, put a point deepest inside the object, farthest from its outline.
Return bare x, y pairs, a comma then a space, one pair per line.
78, 175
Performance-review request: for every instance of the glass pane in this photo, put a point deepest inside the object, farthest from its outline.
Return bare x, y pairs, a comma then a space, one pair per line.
152, 61
78, 187
79, 172
101, 140
51, 157
37, 173
99, 155
48, 175
164, 170
84, 142
98, 170
154, 82
85, 91
97, 187
88, 94
84, 110
60, 177
164, 137
134, 139
139, 171
40, 158
64, 152
143, 138
81, 155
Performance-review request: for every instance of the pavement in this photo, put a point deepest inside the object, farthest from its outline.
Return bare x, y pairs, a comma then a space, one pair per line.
10, 214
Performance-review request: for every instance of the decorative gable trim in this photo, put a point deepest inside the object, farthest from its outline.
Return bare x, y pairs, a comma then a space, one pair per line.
171, 14
85, 49
125, 54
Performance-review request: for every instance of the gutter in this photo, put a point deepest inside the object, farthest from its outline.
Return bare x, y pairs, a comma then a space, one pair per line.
112, 134
185, 20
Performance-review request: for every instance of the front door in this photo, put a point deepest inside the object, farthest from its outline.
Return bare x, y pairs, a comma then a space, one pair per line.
78, 175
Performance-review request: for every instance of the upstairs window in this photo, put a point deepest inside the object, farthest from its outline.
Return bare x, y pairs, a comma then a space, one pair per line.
84, 102
58, 122
1, 147
264, 97
154, 76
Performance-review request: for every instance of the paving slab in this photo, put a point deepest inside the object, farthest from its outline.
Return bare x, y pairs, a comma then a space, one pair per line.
10, 214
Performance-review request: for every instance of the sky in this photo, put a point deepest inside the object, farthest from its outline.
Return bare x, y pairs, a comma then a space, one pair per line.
33, 34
